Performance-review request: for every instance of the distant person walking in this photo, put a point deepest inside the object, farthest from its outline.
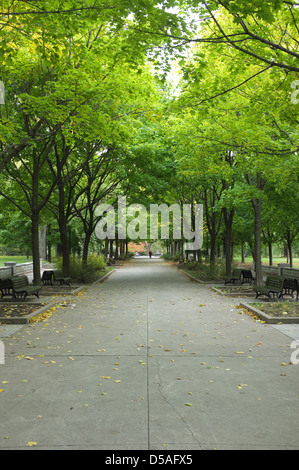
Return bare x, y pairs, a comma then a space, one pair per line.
150, 254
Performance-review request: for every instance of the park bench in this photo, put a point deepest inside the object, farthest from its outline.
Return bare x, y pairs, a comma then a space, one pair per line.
289, 287
235, 277
247, 276
273, 285
21, 287
60, 279
47, 277
6, 287
110, 262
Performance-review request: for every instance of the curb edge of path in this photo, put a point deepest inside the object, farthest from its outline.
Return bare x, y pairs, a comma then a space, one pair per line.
26, 319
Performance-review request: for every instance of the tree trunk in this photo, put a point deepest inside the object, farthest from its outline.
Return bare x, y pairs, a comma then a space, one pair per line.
122, 248
116, 246
270, 254
64, 236
242, 253
257, 205
106, 247
111, 249
49, 255
64, 246
212, 249
35, 249
228, 221
289, 245
35, 223
259, 184
86, 246
62, 223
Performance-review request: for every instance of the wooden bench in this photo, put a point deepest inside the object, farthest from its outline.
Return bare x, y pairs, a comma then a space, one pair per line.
289, 287
273, 285
247, 276
59, 279
21, 287
110, 262
47, 277
235, 277
6, 287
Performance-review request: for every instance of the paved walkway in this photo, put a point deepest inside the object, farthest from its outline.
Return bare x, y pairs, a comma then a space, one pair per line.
149, 360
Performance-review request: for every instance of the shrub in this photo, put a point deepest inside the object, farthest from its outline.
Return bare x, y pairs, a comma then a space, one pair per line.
84, 273
205, 271
171, 257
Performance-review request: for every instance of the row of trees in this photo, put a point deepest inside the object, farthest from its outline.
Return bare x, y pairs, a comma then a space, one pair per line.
243, 151
77, 91
88, 117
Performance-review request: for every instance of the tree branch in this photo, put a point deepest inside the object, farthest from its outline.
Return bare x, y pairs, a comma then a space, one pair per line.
252, 54
50, 12
233, 88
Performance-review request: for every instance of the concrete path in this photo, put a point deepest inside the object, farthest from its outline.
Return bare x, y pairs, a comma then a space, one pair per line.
149, 360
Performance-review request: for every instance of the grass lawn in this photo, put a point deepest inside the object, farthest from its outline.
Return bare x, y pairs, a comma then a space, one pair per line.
276, 261
15, 259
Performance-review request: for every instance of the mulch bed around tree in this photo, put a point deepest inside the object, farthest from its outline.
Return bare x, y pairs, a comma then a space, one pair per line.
56, 290
9, 309
279, 309
237, 290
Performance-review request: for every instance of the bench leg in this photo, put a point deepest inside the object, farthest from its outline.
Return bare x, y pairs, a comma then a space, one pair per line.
19, 295
261, 293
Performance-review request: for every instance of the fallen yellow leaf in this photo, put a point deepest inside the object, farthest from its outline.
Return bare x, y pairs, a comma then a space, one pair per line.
31, 443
